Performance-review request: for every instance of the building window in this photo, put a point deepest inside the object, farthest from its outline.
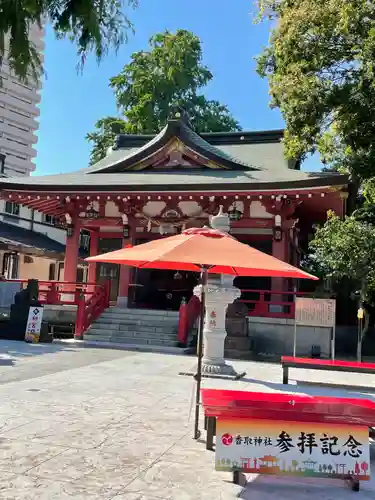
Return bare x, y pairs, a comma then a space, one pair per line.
19, 127
12, 208
10, 265
84, 240
52, 272
49, 219
16, 141
60, 271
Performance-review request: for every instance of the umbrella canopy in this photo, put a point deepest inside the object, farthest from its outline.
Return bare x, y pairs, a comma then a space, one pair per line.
199, 248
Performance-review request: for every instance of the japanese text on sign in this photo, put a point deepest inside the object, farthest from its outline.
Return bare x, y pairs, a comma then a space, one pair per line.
266, 447
315, 312
34, 324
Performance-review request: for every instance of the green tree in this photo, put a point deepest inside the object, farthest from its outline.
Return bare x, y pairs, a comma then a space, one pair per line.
103, 138
345, 249
170, 72
93, 25
320, 67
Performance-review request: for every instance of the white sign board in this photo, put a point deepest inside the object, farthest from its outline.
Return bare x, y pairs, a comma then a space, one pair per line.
34, 324
315, 312
306, 449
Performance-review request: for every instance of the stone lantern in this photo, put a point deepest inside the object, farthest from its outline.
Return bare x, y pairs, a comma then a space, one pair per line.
220, 292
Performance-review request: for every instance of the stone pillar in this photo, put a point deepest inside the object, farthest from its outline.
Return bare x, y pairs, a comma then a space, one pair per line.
220, 292
218, 296
94, 250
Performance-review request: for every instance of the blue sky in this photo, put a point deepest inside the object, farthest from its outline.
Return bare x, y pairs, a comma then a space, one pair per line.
72, 102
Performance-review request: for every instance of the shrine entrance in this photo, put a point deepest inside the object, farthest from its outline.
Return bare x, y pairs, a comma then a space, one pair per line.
160, 289
106, 271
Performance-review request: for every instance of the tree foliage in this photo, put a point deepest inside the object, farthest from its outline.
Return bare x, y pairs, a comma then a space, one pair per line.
171, 72
103, 138
345, 248
321, 71
93, 25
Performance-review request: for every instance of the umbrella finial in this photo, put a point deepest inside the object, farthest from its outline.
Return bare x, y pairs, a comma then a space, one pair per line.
221, 221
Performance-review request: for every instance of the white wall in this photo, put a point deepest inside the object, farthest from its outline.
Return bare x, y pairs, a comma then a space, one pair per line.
25, 213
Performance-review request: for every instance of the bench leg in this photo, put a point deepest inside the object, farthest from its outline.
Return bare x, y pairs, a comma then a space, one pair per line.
353, 483
211, 431
205, 423
285, 374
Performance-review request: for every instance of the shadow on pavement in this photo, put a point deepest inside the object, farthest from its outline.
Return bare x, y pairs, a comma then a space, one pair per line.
285, 488
11, 350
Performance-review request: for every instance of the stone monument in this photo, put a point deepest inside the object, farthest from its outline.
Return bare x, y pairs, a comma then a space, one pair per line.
19, 311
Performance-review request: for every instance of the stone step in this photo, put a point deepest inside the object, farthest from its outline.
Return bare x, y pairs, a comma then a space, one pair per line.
238, 343
142, 312
131, 334
134, 327
132, 320
129, 340
239, 354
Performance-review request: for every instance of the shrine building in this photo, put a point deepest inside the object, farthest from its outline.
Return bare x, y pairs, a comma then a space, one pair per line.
148, 187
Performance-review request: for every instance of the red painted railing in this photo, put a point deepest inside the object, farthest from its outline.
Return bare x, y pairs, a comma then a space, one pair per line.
263, 303
267, 304
62, 292
91, 299
89, 310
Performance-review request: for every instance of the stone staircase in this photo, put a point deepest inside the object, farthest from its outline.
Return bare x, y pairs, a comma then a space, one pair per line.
136, 327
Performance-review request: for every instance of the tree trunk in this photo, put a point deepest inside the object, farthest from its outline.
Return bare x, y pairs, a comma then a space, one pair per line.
355, 184
362, 329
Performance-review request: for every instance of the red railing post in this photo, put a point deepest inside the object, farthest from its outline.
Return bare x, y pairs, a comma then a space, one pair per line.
52, 296
263, 304
80, 319
107, 293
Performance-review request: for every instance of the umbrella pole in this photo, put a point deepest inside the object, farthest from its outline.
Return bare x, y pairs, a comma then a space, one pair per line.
198, 376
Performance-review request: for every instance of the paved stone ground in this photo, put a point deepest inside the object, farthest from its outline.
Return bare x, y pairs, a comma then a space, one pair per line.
102, 424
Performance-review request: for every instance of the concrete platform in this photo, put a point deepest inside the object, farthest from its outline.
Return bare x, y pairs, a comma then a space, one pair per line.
109, 424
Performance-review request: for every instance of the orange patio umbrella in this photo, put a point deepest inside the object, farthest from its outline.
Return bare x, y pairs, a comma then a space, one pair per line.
207, 251
202, 249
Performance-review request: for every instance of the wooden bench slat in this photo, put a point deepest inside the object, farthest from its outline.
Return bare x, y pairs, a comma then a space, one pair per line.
283, 406
328, 363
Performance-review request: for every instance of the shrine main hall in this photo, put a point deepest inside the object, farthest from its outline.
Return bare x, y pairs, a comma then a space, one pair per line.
149, 187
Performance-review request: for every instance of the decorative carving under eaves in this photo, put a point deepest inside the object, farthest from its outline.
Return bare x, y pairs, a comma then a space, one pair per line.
175, 155
281, 206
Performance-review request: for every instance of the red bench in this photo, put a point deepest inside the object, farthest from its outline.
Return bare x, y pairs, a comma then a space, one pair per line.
289, 408
324, 364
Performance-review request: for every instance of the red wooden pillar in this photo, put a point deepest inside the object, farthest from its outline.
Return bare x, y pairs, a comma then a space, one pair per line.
125, 271
280, 251
123, 289
94, 250
71, 256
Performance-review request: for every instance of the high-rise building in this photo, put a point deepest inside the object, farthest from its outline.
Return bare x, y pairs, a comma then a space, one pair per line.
19, 114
